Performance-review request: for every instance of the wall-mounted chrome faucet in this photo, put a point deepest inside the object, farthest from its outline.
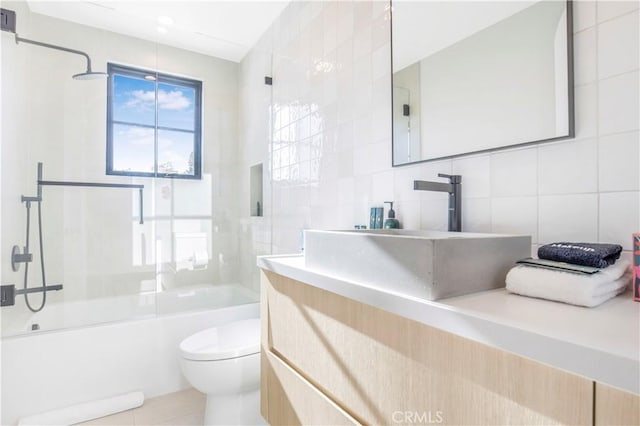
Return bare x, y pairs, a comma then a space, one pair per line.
454, 189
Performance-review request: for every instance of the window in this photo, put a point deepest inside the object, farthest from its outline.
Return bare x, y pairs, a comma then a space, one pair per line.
153, 124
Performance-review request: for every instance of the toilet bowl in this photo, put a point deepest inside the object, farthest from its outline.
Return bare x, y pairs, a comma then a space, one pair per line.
224, 363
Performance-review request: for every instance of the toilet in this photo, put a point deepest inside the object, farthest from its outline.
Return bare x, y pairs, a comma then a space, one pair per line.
224, 363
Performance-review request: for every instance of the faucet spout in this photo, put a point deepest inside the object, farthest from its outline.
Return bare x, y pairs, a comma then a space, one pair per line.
454, 189
423, 185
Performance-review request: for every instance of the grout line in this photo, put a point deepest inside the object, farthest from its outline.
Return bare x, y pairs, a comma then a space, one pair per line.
597, 126
613, 18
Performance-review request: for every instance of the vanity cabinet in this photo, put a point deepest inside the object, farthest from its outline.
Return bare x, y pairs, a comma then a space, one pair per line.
616, 407
327, 359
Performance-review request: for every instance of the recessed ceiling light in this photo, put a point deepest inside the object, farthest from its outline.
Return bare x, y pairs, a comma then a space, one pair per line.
162, 30
165, 20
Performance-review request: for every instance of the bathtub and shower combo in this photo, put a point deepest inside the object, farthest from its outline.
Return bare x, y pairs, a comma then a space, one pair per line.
95, 300
59, 353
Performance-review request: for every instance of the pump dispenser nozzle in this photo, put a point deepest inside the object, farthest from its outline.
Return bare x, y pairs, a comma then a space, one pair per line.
391, 222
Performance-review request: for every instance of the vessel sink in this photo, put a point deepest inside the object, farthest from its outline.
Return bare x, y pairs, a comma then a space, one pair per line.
426, 264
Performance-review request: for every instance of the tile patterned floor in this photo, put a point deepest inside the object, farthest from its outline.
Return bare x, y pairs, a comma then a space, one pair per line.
174, 409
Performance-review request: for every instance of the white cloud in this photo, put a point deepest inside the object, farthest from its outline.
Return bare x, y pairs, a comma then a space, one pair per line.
145, 99
172, 100
137, 135
141, 99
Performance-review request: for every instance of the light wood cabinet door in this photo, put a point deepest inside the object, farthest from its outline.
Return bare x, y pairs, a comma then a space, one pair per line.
292, 400
616, 407
385, 369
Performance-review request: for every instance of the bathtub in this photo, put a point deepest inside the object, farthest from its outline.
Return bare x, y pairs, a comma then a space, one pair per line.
57, 316
66, 362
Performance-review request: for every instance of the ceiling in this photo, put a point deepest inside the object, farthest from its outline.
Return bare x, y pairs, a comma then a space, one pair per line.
224, 29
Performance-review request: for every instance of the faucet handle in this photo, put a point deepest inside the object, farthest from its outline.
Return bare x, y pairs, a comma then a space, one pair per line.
452, 178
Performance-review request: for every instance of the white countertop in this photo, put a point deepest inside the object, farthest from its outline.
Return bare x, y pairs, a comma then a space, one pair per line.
601, 343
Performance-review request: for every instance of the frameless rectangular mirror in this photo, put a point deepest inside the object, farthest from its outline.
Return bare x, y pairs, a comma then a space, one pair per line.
474, 76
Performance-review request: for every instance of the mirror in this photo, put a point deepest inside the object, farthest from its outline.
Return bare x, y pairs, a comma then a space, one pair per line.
476, 76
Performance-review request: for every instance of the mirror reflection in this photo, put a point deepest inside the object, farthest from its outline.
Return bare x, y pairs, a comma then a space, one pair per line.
476, 76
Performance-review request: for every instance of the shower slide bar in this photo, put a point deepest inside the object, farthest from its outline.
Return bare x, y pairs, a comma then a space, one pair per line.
42, 183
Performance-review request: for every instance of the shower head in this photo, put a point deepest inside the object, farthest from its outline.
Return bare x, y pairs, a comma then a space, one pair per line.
87, 75
90, 75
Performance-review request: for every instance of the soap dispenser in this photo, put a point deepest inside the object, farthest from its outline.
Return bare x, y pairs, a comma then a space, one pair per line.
391, 222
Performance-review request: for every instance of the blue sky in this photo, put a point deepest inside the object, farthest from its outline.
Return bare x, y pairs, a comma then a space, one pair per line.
134, 102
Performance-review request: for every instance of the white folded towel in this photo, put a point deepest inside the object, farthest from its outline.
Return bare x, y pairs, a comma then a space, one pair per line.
576, 289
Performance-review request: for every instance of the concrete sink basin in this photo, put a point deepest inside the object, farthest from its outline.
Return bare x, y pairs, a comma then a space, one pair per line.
429, 265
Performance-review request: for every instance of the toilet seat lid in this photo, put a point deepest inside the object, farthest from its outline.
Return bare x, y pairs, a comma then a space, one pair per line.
231, 340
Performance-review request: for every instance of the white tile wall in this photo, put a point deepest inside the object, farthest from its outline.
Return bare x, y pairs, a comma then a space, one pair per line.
611, 9
619, 159
584, 56
619, 212
568, 167
572, 217
514, 173
515, 215
618, 45
586, 111
583, 189
584, 15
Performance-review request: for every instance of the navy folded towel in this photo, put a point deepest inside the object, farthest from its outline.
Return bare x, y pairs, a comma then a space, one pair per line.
598, 255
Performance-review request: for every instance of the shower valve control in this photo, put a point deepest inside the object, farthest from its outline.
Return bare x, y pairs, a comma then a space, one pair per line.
17, 257
7, 295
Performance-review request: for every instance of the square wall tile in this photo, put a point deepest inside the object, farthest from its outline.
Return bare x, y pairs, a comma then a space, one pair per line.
476, 214
374, 157
434, 211
362, 14
381, 62
586, 110
619, 162
330, 12
403, 184
585, 45
408, 214
619, 217
362, 133
363, 188
362, 44
609, 9
568, 218
568, 167
515, 215
514, 173
344, 28
618, 110
382, 186
476, 177
345, 191
584, 15
380, 28
618, 45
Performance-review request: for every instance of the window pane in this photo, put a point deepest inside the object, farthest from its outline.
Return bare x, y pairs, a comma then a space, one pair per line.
134, 100
175, 152
133, 148
176, 106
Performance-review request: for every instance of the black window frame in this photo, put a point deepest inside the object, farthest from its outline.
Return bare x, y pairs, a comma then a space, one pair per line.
112, 70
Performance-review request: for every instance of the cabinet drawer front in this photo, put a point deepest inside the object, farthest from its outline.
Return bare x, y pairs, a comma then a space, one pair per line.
615, 407
292, 400
390, 370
